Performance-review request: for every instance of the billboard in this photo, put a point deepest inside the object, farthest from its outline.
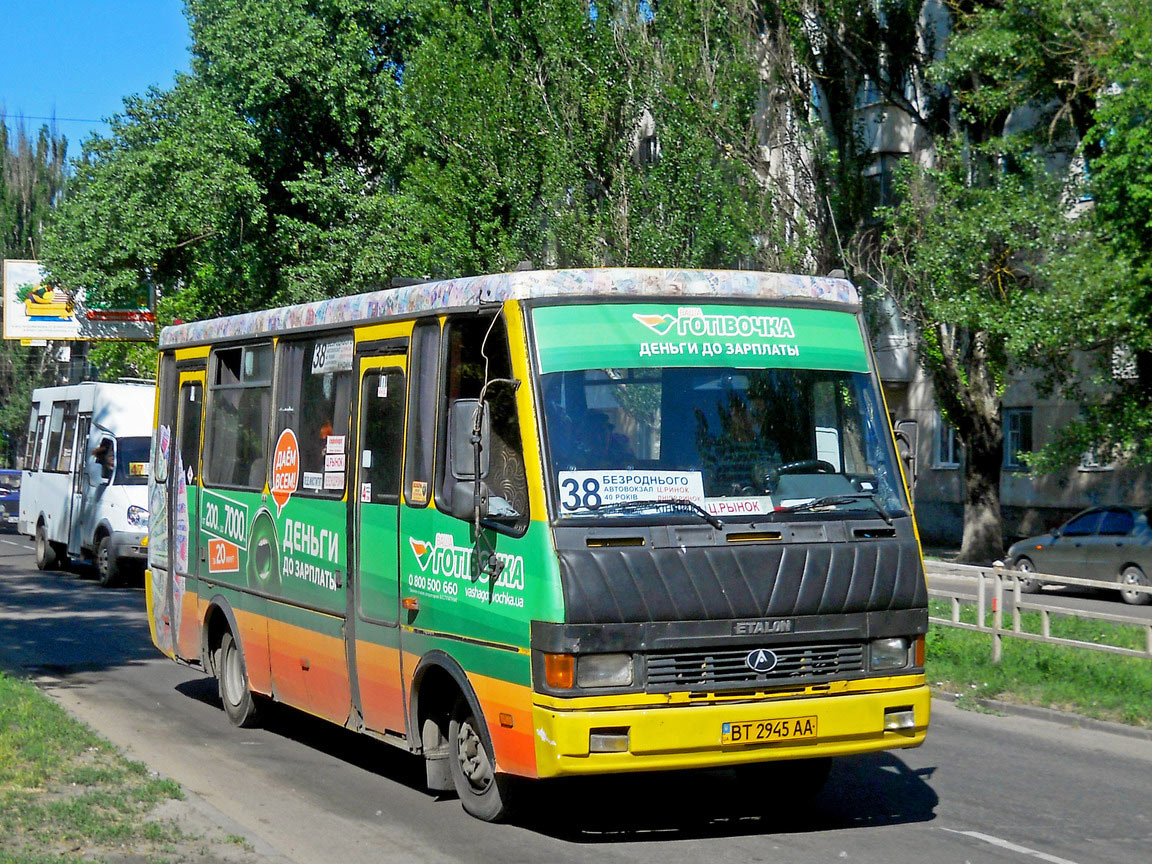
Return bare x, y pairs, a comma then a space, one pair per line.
33, 310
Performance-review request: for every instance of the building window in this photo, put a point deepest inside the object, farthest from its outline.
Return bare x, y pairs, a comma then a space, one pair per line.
947, 445
1017, 437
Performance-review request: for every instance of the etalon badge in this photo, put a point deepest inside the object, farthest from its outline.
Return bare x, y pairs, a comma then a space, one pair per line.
761, 660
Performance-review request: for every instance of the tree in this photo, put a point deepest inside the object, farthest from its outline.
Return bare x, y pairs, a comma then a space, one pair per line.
968, 265
322, 148
32, 182
983, 252
1115, 318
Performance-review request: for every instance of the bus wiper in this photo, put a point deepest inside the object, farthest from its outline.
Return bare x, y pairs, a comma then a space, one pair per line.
833, 500
677, 504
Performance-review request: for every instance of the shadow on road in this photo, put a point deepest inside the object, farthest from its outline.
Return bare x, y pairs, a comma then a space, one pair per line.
869, 790
60, 622
365, 752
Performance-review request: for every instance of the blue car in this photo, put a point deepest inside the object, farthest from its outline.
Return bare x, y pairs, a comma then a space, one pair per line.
9, 497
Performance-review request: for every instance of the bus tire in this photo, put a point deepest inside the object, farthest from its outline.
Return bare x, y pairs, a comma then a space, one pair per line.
239, 703
483, 792
45, 550
107, 565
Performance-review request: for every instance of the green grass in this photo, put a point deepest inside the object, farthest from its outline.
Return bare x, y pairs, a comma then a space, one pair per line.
1093, 683
65, 793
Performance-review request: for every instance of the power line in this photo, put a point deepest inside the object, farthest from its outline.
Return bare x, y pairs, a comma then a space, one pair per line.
55, 119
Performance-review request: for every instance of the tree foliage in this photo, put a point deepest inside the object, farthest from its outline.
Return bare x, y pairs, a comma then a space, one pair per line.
32, 180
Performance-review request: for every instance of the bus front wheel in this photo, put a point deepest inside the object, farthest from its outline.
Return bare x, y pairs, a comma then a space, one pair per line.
484, 793
239, 703
107, 565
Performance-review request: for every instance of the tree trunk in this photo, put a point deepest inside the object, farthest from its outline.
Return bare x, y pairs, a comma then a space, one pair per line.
966, 389
983, 526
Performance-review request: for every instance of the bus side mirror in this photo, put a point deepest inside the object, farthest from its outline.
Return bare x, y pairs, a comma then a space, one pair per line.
468, 459
907, 438
463, 503
463, 440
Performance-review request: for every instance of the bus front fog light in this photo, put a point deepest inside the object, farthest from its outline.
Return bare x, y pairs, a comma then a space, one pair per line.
899, 719
889, 653
608, 740
604, 670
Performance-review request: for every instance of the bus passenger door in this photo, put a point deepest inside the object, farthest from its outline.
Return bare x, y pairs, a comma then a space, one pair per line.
85, 495
186, 484
373, 621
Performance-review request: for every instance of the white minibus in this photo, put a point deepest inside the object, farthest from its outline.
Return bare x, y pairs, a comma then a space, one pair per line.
84, 494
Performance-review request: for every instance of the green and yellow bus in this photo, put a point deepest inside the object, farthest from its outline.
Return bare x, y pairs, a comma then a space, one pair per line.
548, 523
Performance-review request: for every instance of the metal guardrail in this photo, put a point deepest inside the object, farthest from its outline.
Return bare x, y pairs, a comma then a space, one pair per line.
1002, 578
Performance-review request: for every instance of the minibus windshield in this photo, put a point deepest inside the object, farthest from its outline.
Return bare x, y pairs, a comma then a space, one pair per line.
736, 442
132, 460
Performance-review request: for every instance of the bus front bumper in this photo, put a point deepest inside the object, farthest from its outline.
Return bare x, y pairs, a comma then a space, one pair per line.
129, 545
680, 736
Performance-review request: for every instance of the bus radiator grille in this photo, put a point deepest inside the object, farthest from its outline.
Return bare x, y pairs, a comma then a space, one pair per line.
718, 670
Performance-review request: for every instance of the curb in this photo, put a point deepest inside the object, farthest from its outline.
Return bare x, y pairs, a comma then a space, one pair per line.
1063, 718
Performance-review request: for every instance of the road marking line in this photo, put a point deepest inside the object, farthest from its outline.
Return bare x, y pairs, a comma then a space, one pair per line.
13, 543
1005, 844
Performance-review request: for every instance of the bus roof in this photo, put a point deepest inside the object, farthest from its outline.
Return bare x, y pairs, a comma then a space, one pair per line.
425, 297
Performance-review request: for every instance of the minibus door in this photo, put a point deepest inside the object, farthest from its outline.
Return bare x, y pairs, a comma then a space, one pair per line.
84, 496
186, 483
373, 633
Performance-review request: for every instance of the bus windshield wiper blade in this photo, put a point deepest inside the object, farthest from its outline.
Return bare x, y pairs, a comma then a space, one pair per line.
833, 500
649, 505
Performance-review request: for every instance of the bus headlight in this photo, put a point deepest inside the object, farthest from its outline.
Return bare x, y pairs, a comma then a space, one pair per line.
604, 670
137, 516
889, 653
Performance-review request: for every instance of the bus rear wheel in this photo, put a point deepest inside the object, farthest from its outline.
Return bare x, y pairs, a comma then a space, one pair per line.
49, 555
45, 551
484, 793
239, 703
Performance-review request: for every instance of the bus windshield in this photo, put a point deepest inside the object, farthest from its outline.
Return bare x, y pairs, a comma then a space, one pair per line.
738, 442
132, 460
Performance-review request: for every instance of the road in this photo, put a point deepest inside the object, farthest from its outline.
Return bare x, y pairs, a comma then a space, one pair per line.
984, 789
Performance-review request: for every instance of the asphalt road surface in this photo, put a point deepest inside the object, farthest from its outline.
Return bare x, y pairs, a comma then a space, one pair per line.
983, 790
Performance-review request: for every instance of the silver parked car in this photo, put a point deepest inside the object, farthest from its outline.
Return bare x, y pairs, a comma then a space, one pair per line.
1112, 544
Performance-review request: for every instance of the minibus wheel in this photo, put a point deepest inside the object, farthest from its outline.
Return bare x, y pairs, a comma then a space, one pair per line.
239, 703
107, 566
46, 557
483, 792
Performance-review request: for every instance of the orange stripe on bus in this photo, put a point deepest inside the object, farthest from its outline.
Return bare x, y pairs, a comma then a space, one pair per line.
381, 696
310, 670
515, 747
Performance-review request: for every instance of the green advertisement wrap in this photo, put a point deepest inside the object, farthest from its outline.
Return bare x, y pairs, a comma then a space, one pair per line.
636, 335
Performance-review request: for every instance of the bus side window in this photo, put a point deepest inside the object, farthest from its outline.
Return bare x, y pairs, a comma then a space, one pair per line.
61, 437
37, 448
34, 428
463, 378
191, 408
241, 405
314, 400
423, 369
